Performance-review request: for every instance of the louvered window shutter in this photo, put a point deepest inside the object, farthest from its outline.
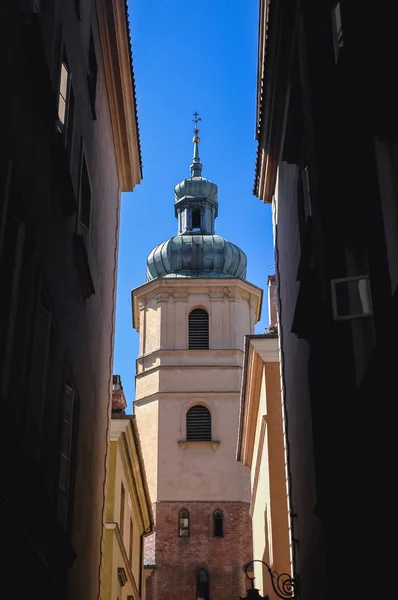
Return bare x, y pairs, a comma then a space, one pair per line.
198, 329
199, 424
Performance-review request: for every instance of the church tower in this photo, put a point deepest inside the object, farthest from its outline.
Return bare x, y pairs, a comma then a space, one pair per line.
192, 315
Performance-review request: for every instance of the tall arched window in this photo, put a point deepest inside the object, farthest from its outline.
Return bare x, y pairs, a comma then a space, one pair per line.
198, 329
196, 220
199, 424
218, 523
202, 585
183, 523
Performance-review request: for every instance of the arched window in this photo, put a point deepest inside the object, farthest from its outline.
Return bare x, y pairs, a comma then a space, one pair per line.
218, 523
196, 221
183, 523
199, 424
198, 329
202, 585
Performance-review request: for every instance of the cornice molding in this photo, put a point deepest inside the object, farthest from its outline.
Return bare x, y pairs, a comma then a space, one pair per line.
114, 38
234, 288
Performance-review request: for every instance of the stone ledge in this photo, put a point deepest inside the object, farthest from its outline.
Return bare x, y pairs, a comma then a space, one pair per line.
191, 443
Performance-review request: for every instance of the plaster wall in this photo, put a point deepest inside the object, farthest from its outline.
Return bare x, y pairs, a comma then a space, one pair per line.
147, 416
200, 470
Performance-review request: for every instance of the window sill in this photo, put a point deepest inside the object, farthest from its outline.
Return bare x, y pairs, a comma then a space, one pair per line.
195, 444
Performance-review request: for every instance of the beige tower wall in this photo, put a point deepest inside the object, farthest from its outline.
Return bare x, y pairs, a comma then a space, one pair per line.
199, 471
170, 379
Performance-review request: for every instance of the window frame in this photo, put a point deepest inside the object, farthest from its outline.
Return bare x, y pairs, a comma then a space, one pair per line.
206, 595
218, 515
68, 493
185, 527
192, 439
191, 341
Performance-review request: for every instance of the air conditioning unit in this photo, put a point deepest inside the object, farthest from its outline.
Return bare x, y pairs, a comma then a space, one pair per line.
351, 297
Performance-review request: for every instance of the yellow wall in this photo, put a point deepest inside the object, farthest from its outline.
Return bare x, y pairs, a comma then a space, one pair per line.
261, 448
123, 469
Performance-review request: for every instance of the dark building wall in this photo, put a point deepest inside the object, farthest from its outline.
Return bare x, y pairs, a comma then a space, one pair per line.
337, 375
306, 530
178, 559
57, 293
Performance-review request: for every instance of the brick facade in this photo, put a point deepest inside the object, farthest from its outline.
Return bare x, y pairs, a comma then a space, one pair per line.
178, 559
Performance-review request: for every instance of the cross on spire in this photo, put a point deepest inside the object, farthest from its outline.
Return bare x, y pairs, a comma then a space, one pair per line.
196, 120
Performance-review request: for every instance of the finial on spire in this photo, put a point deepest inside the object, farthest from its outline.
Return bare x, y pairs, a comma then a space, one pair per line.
196, 120
196, 166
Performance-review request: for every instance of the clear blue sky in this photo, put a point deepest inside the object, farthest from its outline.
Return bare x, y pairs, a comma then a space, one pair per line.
191, 56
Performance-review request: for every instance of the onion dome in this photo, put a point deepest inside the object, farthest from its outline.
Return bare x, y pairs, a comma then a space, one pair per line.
196, 251
208, 256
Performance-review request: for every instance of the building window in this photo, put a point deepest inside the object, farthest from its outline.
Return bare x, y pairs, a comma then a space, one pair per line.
92, 74
67, 454
202, 585
84, 211
198, 329
63, 94
66, 105
338, 38
122, 502
183, 523
218, 523
199, 424
196, 220
131, 544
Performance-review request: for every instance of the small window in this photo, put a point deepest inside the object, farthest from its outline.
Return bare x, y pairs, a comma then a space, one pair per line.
338, 38
183, 523
122, 503
202, 585
198, 329
92, 74
67, 454
199, 424
218, 523
196, 221
63, 94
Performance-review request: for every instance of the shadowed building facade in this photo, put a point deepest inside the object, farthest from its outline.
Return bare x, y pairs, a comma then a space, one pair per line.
69, 145
192, 316
327, 163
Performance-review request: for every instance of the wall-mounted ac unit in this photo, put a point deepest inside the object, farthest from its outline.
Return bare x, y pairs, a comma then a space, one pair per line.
351, 297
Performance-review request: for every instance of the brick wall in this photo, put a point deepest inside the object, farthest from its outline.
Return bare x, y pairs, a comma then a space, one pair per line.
178, 559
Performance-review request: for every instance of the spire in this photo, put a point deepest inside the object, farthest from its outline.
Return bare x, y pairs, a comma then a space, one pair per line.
196, 166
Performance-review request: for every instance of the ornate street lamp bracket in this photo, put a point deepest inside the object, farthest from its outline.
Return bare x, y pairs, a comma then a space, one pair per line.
284, 586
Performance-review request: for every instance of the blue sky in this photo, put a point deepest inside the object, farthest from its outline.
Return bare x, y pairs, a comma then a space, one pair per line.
191, 56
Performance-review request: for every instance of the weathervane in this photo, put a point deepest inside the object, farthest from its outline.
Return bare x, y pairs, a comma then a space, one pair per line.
196, 121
